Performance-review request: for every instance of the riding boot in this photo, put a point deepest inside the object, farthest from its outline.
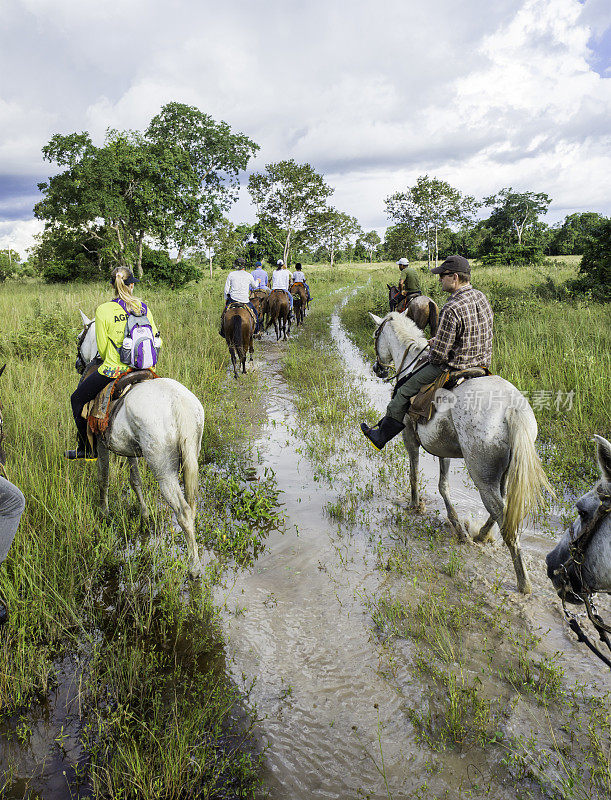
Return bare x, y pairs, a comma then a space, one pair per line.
383, 432
83, 451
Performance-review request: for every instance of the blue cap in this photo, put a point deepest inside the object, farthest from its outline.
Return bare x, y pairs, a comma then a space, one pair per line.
258, 264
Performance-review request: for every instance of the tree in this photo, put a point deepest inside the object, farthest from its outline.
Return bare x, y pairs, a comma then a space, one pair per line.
596, 263
332, 230
166, 184
9, 263
371, 242
575, 233
400, 241
429, 206
515, 213
287, 196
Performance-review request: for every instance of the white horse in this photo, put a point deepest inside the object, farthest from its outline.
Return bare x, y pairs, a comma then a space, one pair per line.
485, 421
162, 421
588, 563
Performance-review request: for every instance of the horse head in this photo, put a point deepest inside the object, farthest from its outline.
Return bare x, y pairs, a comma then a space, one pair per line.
86, 345
382, 350
580, 564
393, 296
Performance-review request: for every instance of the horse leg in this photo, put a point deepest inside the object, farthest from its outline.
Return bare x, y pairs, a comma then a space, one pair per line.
233, 362
413, 452
185, 515
444, 491
135, 481
483, 535
276, 329
103, 477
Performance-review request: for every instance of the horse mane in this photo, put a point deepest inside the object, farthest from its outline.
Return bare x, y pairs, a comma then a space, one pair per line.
406, 330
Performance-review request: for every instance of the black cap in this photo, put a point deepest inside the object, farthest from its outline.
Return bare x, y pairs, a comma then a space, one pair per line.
129, 278
453, 264
240, 263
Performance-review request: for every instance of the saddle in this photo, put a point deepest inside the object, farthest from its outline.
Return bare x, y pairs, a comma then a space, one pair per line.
405, 301
242, 305
422, 407
101, 411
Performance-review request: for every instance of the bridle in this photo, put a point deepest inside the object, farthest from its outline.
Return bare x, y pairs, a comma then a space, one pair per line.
381, 368
80, 361
577, 549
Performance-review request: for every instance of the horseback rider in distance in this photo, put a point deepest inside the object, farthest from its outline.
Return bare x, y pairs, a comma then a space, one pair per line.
463, 340
110, 319
260, 275
282, 279
299, 277
409, 282
237, 290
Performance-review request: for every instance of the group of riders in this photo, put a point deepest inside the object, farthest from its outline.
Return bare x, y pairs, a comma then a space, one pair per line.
240, 283
463, 340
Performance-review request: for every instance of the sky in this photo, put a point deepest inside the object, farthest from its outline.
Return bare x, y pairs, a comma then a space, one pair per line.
481, 94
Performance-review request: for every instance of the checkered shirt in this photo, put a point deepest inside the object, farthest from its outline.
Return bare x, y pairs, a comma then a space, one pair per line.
464, 336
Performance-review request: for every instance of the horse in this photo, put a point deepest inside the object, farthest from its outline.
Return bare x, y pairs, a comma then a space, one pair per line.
300, 301
259, 298
278, 312
580, 564
485, 421
421, 309
238, 329
162, 421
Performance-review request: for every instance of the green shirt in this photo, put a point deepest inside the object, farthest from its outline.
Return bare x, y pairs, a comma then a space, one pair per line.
110, 322
410, 279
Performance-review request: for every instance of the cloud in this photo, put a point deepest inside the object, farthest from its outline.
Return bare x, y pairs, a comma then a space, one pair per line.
481, 94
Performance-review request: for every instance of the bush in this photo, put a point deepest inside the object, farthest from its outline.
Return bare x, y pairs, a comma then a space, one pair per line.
513, 255
161, 270
595, 268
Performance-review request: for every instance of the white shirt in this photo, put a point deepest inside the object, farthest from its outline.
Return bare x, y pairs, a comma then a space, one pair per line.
299, 277
238, 285
281, 279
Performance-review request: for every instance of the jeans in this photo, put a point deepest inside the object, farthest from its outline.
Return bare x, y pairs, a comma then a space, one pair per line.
397, 408
12, 503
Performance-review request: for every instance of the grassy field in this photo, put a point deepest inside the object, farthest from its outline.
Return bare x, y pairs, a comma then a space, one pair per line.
555, 348
155, 699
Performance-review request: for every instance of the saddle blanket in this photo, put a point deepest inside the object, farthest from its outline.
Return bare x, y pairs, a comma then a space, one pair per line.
242, 305
422, 407
100, 411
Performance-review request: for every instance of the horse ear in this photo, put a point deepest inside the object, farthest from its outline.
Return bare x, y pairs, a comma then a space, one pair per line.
603, 453
377, 320
2, 368
84, 318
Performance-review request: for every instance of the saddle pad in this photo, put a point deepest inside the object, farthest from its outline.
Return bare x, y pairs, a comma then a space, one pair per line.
422, 408
99, 411
243, 305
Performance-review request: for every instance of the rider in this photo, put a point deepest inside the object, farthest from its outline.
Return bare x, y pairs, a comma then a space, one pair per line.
463, 340
281, 279
260, 275
409, 282
237, 290
110, 319
299, 277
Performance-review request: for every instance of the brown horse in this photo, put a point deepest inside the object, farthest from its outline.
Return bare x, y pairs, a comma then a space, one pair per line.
421, 309
278, 312
238, 329
300, 301
259, 298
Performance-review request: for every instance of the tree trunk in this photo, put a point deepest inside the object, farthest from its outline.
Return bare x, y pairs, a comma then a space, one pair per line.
180, 254
210, 260
139, 261
287, 247
436, 248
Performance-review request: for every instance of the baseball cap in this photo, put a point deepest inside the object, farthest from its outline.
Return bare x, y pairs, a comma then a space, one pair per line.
453, 264
403, 262
280, 262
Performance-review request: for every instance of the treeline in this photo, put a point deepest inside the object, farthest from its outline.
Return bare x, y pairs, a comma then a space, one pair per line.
143, 195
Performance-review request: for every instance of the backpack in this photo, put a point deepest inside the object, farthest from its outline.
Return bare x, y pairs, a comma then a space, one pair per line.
139, 349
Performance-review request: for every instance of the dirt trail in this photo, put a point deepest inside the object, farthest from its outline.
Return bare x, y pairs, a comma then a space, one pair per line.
333, 726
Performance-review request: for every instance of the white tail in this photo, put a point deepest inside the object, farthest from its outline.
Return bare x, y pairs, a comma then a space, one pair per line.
526, 480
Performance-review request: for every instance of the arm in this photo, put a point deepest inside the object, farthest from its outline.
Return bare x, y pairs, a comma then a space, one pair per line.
442, 343
101, 334
227, 286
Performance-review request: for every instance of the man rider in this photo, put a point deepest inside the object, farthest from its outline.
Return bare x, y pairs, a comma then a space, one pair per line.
409, 282
299, 277
463, 340
237, 290
260, 275
281, 279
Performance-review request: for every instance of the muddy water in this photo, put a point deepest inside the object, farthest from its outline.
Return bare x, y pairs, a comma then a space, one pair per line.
332, 725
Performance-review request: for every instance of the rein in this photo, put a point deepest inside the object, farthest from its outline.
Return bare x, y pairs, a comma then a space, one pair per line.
388, 365
577, 551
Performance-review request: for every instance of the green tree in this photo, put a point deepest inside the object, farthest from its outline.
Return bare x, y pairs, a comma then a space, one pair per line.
595, 267
9, 263
287, 196
515, 214
575, 233
371, 241
429, 206
400, 241
333, 230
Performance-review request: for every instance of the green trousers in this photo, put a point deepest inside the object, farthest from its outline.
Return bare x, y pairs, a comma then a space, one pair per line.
397, 408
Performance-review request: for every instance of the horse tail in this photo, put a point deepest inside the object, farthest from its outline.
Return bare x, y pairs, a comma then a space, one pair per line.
190, 442
433, 317
525, 478
237, 332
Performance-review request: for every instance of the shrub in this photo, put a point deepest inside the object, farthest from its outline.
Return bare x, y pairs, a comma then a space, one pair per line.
161, 270
595, 268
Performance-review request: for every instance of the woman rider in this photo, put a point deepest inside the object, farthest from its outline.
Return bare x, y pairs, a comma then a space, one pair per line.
110, 319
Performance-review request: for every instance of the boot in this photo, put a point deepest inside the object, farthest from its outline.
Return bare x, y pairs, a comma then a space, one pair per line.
82, 452
383, 432
3, 613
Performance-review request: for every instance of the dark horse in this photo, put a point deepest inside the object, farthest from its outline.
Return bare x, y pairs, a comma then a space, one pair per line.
238, 329
419, 308
259, 297
278, 312
300, 301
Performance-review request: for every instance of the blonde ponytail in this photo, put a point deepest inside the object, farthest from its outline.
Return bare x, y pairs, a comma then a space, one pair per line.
124, 291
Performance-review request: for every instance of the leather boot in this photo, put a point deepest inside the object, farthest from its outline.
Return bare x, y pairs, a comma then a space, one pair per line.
383, 432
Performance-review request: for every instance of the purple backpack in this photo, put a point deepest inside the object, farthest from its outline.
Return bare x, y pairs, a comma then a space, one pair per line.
138, 349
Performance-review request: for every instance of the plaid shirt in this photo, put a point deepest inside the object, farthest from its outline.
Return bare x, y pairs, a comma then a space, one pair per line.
464, 336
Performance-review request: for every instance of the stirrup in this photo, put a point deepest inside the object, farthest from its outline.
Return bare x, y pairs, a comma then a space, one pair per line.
81, 454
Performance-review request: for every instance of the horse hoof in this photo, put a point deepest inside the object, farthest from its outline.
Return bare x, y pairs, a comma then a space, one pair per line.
197, 572
420, 507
